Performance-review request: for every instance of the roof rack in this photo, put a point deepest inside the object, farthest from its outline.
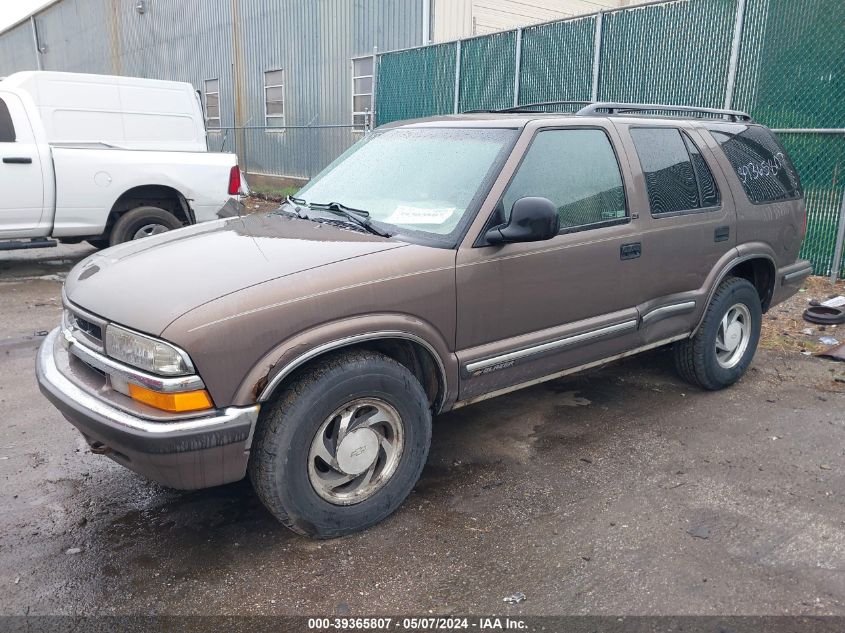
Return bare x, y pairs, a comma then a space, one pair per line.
624, 108
612, 107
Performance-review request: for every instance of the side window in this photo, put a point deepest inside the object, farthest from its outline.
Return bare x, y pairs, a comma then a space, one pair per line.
7, 128
708, 192
760, 162
577, 170
274, 98
362, 91
677, 176
211, 88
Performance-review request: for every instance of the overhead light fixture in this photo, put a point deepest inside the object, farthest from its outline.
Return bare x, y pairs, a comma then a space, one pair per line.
141, 6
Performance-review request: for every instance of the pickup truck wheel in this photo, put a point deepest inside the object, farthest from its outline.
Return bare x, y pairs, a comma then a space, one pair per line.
341, 447
143, 222
721, 351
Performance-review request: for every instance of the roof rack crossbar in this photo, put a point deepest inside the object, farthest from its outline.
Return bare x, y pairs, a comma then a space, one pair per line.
621, 108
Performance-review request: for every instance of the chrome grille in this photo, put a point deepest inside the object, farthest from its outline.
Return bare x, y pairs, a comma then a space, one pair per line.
91, 329
84, 327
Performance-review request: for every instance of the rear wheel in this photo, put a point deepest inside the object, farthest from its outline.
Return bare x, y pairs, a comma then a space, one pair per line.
143, 222
343, 445
724, 345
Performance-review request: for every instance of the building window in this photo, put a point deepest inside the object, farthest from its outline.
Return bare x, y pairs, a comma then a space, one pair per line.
362, 91
274, 98
211, 88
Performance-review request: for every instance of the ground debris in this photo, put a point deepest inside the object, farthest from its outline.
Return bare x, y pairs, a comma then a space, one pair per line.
514, 598
699, 531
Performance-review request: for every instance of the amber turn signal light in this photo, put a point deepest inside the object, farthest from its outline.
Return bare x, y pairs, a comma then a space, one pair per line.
179, 402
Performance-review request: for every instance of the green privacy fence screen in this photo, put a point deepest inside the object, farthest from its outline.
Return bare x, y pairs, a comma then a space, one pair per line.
557, 61
488, 65
791, 63
671, 53
416, 82
781, 60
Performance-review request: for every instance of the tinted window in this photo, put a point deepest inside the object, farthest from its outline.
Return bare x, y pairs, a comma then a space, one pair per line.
708, 193
7, 129
577, 171
763, 168
676, 174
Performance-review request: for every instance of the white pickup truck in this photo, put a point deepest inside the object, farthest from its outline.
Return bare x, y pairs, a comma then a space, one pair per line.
105, 159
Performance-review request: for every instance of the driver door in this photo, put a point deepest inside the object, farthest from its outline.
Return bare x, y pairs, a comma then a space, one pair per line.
21, 179
533, 309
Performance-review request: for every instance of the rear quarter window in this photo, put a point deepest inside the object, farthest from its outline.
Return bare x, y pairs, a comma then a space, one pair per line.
7, 128
760, 163
677, 177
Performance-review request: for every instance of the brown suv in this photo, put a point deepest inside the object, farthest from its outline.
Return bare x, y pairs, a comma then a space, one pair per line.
436, 263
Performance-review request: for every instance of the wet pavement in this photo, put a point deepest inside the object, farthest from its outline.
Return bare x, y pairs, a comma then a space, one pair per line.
620, 491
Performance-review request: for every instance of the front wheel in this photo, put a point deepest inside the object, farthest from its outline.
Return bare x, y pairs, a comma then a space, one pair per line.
343, 445
722, 348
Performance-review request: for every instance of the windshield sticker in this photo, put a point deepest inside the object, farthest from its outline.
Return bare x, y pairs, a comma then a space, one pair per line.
417, 215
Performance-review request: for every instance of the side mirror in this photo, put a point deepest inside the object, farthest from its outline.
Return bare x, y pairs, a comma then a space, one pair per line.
532, 220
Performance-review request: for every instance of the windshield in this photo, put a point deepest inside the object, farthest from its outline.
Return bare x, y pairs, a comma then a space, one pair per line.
420, 180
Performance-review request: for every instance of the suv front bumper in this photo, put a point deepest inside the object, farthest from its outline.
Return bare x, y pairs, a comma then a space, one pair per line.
187, 454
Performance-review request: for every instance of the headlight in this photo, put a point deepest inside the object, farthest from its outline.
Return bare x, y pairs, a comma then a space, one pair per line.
146, 353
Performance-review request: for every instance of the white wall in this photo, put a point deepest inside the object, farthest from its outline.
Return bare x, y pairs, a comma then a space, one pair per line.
455, 19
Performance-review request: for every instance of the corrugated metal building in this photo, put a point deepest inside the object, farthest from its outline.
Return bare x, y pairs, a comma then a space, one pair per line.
233, 51
456, 19
286, 84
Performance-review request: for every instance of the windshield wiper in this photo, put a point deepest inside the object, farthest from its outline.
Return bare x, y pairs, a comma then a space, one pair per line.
297, 204
357, 216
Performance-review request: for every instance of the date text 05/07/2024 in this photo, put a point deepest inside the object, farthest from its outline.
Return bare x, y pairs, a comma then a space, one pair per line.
491, 623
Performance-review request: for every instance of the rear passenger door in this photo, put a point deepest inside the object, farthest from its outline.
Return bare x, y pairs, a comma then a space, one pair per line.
688, 224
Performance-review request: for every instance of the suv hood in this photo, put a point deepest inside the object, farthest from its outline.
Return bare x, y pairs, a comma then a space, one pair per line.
149, 283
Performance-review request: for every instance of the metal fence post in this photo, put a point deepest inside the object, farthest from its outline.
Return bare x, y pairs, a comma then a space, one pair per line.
594, 94
733, 63
246, 149
457, 101
34, 28
836, 265
517, 67
375, 84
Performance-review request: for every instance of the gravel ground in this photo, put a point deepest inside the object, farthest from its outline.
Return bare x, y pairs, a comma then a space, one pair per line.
785, 330
623, 491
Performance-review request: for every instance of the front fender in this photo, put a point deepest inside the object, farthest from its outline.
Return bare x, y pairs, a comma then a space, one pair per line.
280, 362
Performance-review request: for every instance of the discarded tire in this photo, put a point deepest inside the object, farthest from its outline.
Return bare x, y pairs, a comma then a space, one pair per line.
824, 315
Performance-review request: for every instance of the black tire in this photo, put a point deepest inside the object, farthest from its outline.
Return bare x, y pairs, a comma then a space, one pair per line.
100, 242
133, 221
824, 315
279, 460
696, 359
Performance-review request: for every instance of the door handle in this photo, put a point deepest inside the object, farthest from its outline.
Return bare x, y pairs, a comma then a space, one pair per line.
630, 251
17, 160
722, 234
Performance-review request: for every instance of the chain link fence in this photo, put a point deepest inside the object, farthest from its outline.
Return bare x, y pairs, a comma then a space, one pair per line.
294, 152
780, 60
